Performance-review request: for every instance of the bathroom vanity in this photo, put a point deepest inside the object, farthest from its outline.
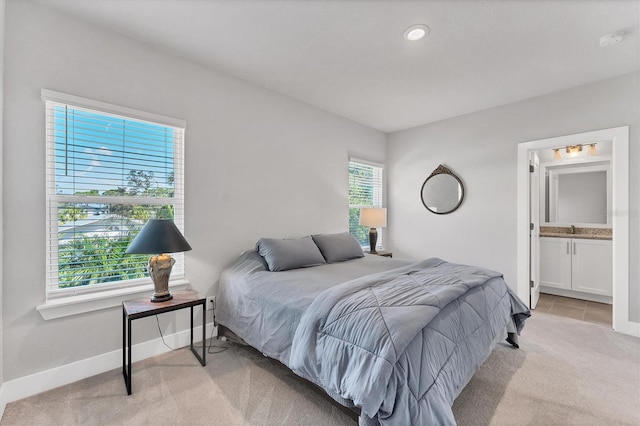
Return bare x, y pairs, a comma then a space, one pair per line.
575, 242
576, 262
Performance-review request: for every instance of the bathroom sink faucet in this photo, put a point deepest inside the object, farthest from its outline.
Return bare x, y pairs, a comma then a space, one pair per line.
573, 229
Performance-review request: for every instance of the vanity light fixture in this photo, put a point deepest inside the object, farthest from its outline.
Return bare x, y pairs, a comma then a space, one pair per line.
416, 32
574, 150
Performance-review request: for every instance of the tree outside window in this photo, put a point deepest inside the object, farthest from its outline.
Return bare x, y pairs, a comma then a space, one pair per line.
365, 190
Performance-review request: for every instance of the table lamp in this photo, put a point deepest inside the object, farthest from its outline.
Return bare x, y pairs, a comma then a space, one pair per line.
373, 217
158, 237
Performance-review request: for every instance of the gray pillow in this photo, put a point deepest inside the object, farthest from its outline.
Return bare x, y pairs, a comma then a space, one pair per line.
282, 255
338, 247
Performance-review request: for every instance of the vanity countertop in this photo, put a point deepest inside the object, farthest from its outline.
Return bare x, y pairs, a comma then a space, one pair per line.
584, 233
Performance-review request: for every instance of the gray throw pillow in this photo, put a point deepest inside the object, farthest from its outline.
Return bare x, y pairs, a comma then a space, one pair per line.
282, 255
338, 247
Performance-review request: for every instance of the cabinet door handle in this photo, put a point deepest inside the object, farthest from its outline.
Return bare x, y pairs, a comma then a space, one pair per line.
574, 248
568, 252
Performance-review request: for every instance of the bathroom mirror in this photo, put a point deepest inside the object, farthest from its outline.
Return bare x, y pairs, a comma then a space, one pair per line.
442, 192
578, 194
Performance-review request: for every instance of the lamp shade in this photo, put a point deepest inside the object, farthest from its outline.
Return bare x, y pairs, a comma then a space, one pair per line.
373, 217
158, 236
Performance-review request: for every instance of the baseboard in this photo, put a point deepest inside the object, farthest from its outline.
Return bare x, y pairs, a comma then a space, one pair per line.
3, 402
50, 379
629, 327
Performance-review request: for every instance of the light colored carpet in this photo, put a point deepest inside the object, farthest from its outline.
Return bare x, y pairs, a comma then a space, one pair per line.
566, 372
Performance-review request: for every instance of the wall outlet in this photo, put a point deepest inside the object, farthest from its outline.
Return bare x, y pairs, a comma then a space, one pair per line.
211, 302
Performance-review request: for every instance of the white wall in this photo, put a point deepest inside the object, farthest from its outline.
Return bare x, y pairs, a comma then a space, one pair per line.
257, 164
2, 27
482, 149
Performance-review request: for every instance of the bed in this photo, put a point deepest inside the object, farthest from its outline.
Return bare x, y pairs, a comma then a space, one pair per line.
396, 339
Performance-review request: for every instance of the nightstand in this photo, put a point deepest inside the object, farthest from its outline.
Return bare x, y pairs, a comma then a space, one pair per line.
141, 308
382, 253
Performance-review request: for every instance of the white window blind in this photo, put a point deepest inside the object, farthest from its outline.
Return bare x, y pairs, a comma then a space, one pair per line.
107, 174
365, 190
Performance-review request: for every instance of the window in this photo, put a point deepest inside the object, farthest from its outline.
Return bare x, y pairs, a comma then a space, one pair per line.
109, 170
365, 190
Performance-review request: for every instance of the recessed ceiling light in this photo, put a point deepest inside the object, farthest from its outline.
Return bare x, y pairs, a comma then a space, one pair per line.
611, 38
416, 32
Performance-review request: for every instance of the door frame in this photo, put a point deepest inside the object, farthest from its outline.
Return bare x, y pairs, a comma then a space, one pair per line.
619, 212
534, 232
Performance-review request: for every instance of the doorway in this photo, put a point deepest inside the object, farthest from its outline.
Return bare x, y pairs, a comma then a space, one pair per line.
620, 222
583, 310
570, 196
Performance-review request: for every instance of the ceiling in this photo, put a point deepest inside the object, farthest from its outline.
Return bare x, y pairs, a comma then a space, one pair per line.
349, 57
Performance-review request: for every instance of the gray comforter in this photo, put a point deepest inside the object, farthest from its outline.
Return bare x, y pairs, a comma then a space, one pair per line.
402, 344
264, 308
398, 339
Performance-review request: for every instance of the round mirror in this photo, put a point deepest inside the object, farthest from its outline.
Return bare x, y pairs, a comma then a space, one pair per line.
442, 192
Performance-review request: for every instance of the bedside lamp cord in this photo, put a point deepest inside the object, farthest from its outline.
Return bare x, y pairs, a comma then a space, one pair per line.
211, 345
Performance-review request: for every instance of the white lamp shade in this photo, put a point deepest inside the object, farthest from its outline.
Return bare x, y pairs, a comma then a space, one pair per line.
373, 217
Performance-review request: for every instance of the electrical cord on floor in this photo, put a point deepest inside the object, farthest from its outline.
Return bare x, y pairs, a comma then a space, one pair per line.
209, 348
211, 345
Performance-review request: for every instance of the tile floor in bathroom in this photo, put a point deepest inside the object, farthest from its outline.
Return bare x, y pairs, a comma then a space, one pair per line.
575, 308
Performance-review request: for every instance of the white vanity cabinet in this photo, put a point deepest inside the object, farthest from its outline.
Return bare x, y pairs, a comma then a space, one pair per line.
592, 266
555, 262
577, 264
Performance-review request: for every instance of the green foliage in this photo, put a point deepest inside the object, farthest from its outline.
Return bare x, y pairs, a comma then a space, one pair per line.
118, 192
360, 232
360, 195
71, 213
141, 212
86, 260
91, 192
94, 260
140, 182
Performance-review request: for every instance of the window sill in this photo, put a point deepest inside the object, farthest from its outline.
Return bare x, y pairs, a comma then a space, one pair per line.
80, 304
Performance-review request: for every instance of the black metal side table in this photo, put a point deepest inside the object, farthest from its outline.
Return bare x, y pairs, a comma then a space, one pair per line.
141, 308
